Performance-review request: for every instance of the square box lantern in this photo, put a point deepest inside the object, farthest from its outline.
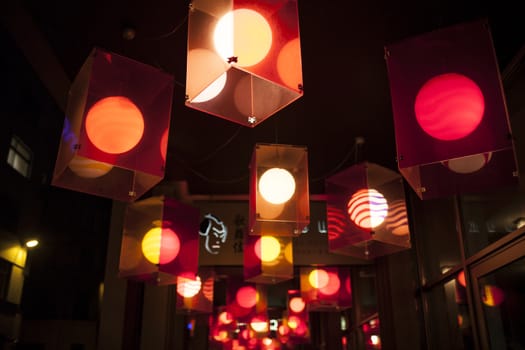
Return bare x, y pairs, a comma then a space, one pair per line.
326, 288
366, 212
160, 241
195, 293
268, 259
115, 132
244, 58
451, 123
279, 203
296, 321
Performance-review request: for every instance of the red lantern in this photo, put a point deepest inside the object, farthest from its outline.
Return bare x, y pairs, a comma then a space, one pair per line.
451, 123
114, 139
244, 58
159, 241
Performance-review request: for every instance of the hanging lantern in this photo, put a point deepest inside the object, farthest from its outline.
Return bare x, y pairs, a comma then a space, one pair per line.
296, 326
326, 288
268, 259
195, 293
279, 197
244, 58
366, 212
159, 243
244, 300
114, 139
451, 123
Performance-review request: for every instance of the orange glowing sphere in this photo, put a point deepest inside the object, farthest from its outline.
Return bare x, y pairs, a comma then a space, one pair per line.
492, 296
367, 208
247, 297
461, 278
318, 278
187, 287
296, 304
244, 34
267, 248
160, 245
288, 64
87, 168
449, 106
114, 125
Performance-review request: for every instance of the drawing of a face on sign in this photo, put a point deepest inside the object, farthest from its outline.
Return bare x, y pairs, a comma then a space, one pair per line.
215, 232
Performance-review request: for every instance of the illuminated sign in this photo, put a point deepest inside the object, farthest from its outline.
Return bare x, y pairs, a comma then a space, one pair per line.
215, 232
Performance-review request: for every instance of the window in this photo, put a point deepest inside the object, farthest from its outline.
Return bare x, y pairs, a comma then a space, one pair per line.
20, 157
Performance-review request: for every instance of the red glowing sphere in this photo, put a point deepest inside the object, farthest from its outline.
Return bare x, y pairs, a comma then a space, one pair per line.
246, 297
461, 278
449, 106
333, 285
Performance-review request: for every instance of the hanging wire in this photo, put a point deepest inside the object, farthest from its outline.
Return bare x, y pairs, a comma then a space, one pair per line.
218, 149
171, 32
355, 150
209, 179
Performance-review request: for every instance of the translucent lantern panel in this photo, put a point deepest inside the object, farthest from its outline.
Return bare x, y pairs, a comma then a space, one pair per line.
451, 123
159, 241
114, 138
195, 293
244, 58
279, 197
326, 288
245, 299
268, 259
366, 212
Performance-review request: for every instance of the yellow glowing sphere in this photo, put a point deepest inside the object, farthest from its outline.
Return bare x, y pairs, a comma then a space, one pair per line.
114, 124
244, 34
276, 185
318, 278
160, 245
267, 248
89, 169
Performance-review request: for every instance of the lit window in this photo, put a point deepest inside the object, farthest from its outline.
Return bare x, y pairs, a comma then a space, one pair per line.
19, 157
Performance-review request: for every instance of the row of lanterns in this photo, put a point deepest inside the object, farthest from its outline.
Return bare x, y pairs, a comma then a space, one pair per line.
451, 128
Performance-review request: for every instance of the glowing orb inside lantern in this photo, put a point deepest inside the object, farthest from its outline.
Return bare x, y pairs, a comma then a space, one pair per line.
283, 330
333, 285
375, 340
225, 317
89, 169
259, 324
114, 124
212, 90
187, 287
294, 322
246, 297
164, 144
449, 106
244, 34
367, 208
492, 295
276, 185
267, 248
468, 164
461, 279
318, 278
160, 245
296, 304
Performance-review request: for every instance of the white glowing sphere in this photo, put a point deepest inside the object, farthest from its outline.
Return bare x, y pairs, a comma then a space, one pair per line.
367, 208
244, 34
188, 288
212, 90
276, 185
